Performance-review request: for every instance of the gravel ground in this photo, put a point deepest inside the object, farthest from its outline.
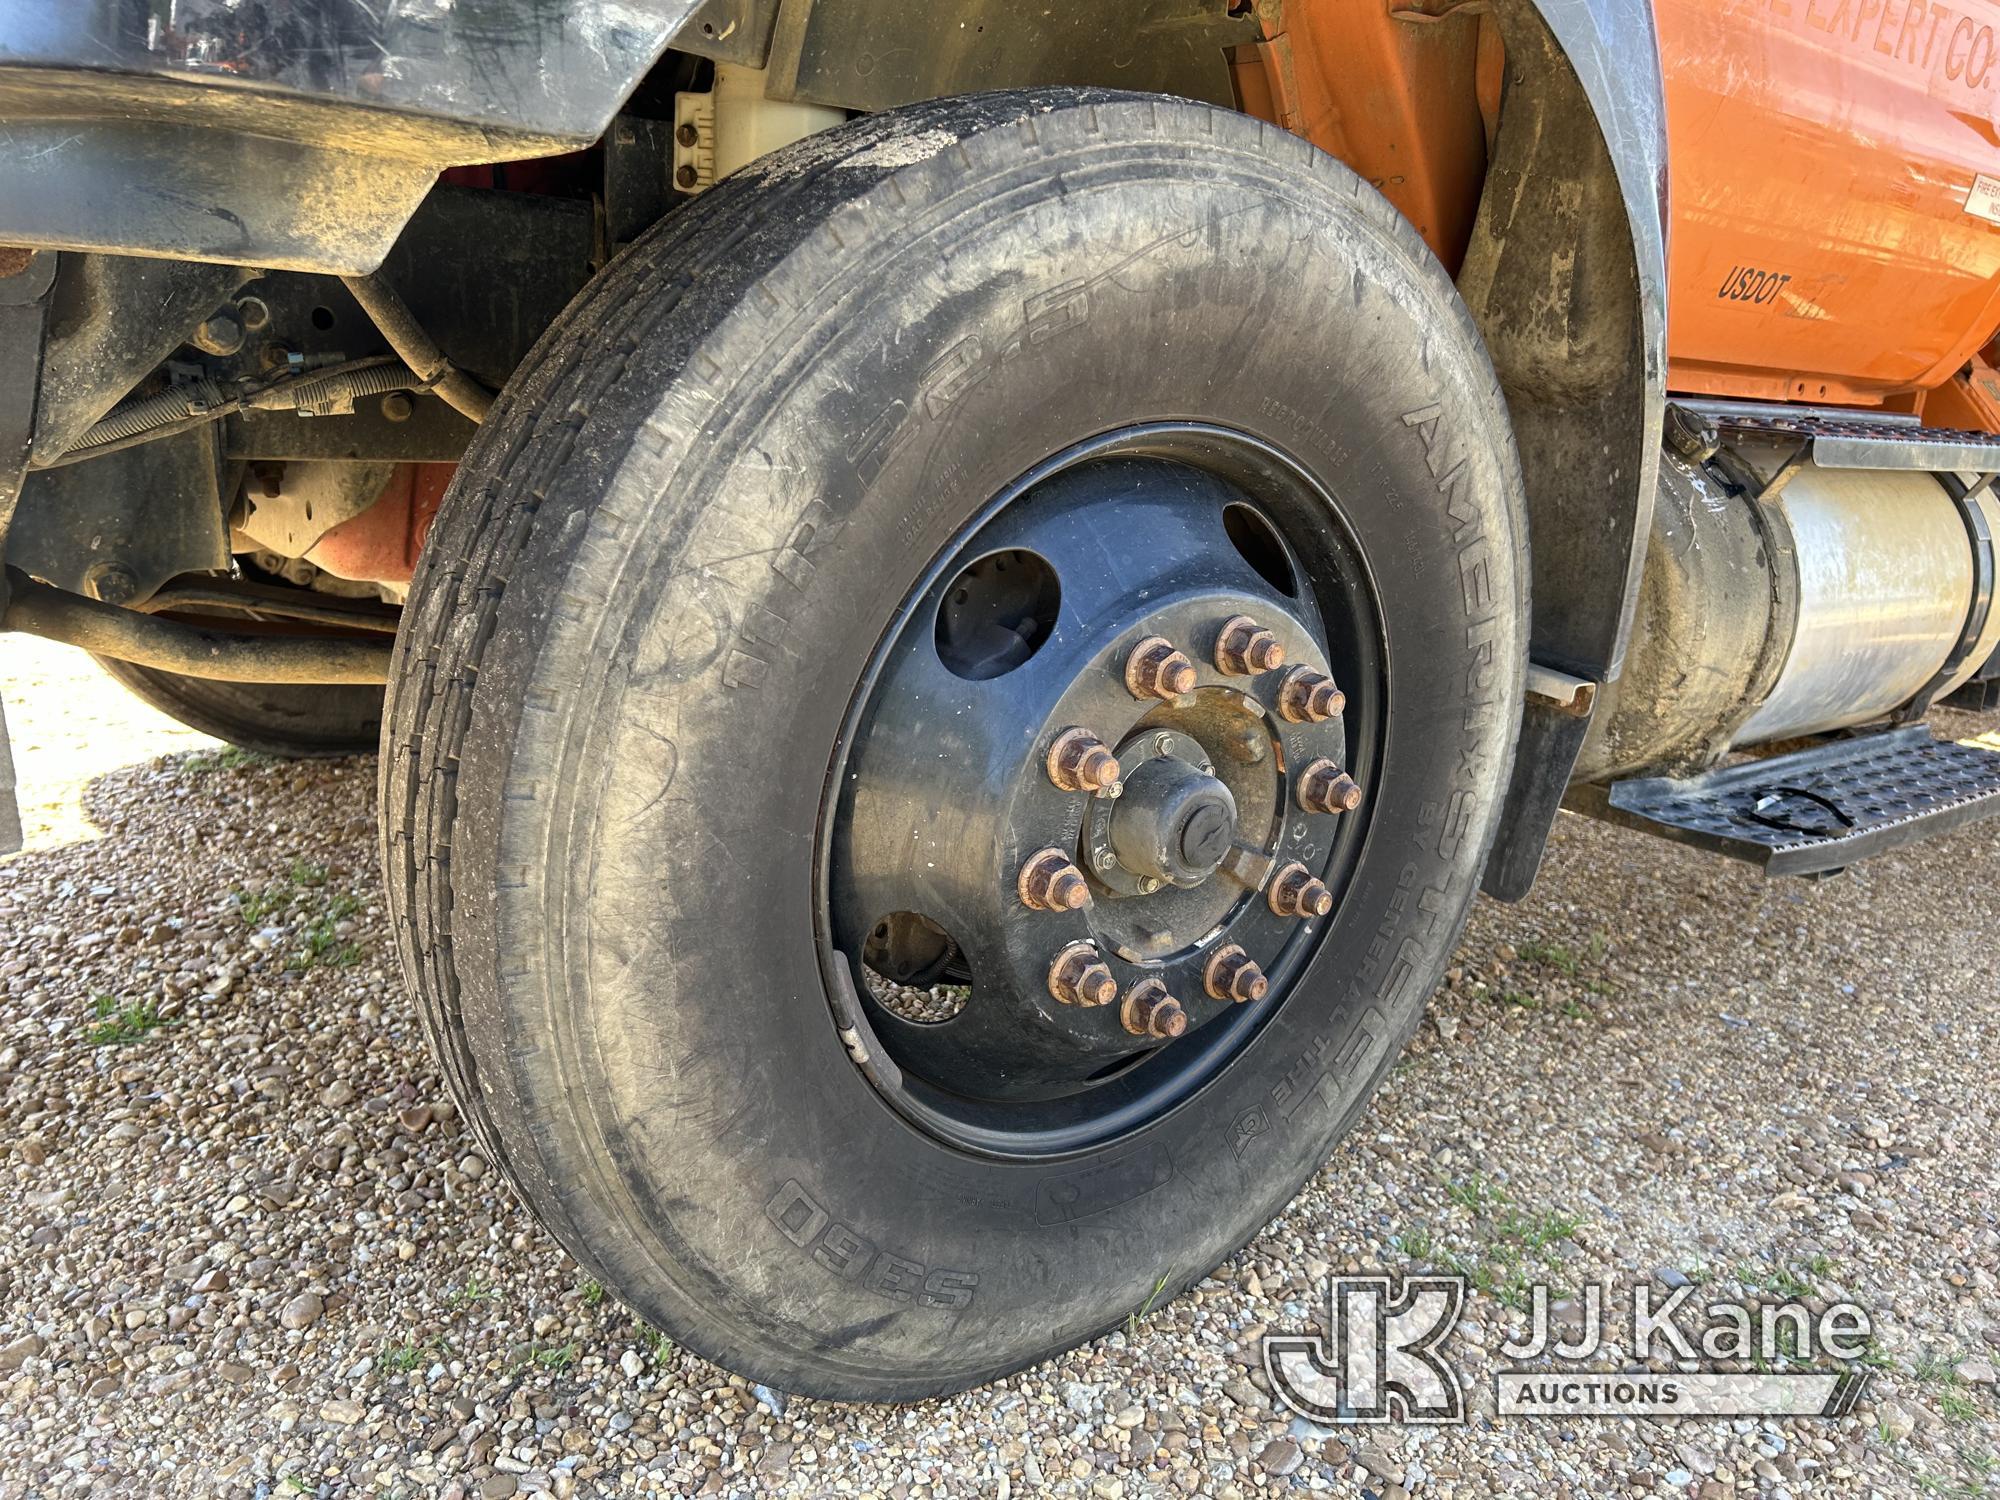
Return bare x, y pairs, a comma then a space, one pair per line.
246, 1247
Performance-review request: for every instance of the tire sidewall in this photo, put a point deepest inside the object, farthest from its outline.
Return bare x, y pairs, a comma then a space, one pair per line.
675, 688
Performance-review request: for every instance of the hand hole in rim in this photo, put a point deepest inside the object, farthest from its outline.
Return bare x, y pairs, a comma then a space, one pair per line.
998, 612
914, 970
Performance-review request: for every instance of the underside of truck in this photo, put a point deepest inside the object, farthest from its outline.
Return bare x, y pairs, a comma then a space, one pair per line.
957, 598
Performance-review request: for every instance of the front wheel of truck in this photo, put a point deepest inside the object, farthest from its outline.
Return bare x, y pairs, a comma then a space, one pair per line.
949, 724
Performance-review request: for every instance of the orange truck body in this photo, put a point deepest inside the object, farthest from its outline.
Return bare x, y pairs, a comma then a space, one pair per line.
1834, 170
1835, 192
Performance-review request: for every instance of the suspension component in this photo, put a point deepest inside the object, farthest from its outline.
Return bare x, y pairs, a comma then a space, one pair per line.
1309, 697
1080, 762
1155, 669
1232, 975
1079, 977
1150, 1011
1244, 648
1325, 788
1296, 892
1049, 882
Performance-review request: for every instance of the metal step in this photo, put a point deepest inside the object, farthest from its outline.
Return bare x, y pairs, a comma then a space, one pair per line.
1862, 442
1819, 809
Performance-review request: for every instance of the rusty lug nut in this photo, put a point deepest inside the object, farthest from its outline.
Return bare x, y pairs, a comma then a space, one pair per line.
1156, 670
1049, 882
1325, 788
1244, 648
1080, 977
1150, 1011
1080, 762
1232, 975
1309, 697
1296, 893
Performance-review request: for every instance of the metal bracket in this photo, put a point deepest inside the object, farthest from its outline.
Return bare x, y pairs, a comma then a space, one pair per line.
1554, 722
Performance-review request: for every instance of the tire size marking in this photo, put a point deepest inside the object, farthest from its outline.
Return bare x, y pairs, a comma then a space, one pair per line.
837, 1248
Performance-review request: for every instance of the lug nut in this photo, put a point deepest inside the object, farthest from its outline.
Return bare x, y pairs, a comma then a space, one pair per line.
1156, 670
1231, 975
1244, 648
1309, 697
1079, 762
1296, 893
1150, 1011
1049, 882
1325, 788
1080, 977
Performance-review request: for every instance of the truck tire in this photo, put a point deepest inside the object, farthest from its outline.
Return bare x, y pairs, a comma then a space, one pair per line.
740, 655
288, 720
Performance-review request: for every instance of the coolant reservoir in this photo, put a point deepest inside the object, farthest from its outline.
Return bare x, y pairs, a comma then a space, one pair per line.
1835, 184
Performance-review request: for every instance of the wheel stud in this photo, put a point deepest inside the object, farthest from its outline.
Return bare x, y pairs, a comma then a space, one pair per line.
1150, 1011
1156, 670
1080, 977
1231, 975
1080, 762
1049, 882
1244, 648
1296, 893
1309, 697
1325, 788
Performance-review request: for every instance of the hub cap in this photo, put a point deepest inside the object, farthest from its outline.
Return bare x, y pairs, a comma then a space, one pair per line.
1089, 785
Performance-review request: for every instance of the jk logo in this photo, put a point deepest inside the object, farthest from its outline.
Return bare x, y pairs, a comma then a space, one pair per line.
1381, 1363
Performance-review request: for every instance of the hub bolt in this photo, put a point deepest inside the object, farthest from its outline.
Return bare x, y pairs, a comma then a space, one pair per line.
1231, 975
1156, 670
1080, 762
1080, 977
1325, 788
1309, 697
1244, 648
1049, 882
1296, 893
1150, 1011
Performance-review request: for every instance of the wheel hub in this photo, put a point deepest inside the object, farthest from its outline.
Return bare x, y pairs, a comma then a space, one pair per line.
1175, 821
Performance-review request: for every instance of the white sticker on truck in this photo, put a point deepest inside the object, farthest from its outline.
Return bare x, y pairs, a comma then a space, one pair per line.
1984, 198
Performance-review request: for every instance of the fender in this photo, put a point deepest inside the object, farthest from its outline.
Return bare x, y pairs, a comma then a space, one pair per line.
1567, 275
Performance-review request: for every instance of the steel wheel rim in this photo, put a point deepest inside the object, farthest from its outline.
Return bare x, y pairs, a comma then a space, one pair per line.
1334, 592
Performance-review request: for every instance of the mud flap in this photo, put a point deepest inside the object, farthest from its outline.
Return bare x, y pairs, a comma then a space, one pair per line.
10, 811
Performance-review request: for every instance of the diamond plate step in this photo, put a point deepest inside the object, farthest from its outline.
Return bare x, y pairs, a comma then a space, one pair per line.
1818, 809
1861, 443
